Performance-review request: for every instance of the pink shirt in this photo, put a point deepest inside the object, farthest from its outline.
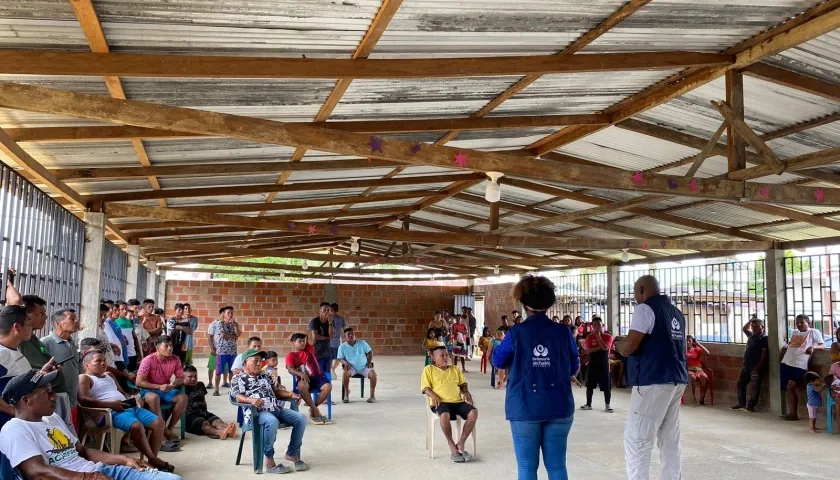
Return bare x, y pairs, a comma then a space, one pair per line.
160, 371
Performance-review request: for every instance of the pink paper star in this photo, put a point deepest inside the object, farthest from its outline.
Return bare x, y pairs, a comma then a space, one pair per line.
446, 261
645, 245
313, 229
461, 159
639, 178
764, 192
692, 185
376, 260
662, 244
820, 195
417, 260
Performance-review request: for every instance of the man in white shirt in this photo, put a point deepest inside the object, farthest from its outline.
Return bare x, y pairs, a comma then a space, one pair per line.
254, 343
212, 330
795, 356
15, 328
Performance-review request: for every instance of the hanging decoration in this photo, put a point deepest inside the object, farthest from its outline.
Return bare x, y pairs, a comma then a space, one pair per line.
313, 229
461, 159
639, 178
692, 185
375, 144
765, 192
672, 184
415, 149
291, 225
819, 194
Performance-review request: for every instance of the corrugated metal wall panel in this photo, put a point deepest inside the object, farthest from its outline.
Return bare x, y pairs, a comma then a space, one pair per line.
114, 270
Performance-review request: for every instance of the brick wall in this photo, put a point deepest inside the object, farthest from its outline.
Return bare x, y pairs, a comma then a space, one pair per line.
392, 318
497, 302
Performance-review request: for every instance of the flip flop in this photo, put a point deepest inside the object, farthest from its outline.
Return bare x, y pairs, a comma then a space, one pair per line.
457, 457
325, 421
226, 432
467, 456
217, 394
169, 446
300, 466
167, 467
279, 469
346, 400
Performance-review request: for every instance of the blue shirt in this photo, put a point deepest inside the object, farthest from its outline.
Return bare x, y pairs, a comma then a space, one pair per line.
542, 357
118, 333
814, 397
355, 355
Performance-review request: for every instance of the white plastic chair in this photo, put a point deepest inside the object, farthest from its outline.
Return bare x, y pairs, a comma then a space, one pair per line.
99, 432
433, 419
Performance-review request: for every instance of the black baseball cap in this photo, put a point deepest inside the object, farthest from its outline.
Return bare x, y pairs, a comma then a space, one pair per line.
23, 385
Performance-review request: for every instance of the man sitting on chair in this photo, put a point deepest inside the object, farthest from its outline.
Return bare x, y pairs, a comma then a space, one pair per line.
449, 396
41, 446
357, 358
303, 364
255, 387
98, 389
157, 387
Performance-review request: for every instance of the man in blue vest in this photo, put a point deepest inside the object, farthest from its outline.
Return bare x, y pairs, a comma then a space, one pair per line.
656, 370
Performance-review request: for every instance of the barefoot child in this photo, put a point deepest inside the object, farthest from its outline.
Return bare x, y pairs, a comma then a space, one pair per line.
199, 420
459, 350
501, 374
483, 345
431, 342
814, 388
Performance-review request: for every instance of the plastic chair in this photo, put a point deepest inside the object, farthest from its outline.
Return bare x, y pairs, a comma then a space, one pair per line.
315, 394
102, 431
432, 418
829, 413
166, 407
361, 386
249, 415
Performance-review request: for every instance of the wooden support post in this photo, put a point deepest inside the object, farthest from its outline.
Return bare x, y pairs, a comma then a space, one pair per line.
406, 221
613, 303
132, 270
494, 216
735, 98
776, 323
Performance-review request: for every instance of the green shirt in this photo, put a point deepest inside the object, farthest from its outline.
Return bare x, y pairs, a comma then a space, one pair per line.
38, 356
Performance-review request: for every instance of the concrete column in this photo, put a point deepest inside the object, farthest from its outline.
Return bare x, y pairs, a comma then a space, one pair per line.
160, 299
774, 269
133, 252
92, 272
151, 292
613, 303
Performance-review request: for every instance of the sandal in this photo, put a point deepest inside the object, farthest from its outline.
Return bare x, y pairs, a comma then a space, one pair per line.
167, 467
346, 400
371, 400
457, 457
217, 394
170, 446
467, 456
280, 469
300, 466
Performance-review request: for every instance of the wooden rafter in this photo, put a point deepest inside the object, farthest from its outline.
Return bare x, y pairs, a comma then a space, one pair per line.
311, 203
744, 131
790, 79
734, 119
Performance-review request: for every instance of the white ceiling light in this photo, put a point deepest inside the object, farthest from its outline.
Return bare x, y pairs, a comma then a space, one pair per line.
625, 257
354, 244
496, 270
282, 274
306, 265
493, 193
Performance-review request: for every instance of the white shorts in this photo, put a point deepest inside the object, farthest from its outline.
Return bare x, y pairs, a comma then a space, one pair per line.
365, 372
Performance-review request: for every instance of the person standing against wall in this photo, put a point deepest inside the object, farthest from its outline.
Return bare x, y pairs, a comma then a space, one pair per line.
542, 358
339, 325
656, 369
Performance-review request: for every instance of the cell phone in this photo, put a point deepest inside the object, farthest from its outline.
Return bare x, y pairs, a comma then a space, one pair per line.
129, 403
62, 362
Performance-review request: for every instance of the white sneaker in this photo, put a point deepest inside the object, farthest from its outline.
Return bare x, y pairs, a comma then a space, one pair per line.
586, 407
609, 409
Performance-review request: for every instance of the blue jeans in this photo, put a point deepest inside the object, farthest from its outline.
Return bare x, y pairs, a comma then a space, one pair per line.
549, 435
270, 422
118, 472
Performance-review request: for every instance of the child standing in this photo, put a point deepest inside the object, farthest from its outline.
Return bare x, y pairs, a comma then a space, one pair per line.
483, 345
431, 342
459, 350
814, 388
501, 374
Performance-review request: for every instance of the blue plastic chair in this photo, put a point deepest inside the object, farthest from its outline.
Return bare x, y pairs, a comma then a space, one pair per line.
829, 409
362, 386
315, 394
247, 418
166, 407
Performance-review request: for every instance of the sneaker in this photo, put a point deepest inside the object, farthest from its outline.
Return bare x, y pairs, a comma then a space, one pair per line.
586, 407
736, 407
609, 409
750, 409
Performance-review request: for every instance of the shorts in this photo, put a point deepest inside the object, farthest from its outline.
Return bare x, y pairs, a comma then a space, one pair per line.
460, 409
694, 371
316, 383
194, 422
365, 372
812, 411
211, 363
189, 357
123, 420
224, 363
165, 397
788, 373
598, 376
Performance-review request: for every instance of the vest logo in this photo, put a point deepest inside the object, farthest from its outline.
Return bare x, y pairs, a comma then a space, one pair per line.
540, 351
675, 324
540, 358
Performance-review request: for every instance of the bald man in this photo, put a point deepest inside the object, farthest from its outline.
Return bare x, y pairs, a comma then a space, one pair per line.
656, 369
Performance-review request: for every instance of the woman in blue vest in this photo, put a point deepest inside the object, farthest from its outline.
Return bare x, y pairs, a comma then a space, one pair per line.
542, 357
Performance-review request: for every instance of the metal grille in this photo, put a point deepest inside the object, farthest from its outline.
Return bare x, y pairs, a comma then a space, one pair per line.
114, 263
812, 287
716, 300
581, 295
142, 274
43, 241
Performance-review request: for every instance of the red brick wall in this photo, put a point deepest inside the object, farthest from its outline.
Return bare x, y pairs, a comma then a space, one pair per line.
497, 302
392, 318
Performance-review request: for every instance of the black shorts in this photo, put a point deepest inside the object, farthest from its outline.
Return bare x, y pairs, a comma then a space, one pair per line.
788, 373
460, 409
598, 376
194, 422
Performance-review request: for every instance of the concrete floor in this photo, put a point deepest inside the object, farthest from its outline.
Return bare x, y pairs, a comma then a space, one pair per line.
387, 440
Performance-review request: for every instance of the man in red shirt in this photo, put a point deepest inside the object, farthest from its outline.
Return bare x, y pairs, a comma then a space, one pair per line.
160, 378
303, 364
598, 344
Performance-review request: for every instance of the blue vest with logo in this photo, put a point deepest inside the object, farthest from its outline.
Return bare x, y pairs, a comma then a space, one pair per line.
660, 358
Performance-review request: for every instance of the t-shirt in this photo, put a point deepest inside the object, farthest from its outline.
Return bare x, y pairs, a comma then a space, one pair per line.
213, 331
50, 438
159, 371
693, 357
601, 356
12, 364
225, 346
322, 347
814, 397
643, 319
356, 355
798, 344
755, 344
460, 328
109, 353
340, 323
38, 356
115, 336
445, 383
835, 369
304, 360
127, 329
61, 349
260, 386
196, 399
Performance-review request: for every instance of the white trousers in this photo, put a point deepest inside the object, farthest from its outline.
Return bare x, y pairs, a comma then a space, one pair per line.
654, 413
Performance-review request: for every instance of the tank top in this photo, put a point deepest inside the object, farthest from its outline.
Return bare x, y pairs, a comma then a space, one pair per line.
104, 389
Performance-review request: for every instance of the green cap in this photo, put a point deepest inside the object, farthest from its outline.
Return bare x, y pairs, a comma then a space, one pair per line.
251, 352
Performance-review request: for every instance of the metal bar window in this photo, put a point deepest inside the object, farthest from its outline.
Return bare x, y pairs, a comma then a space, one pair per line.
114, 266
42, 241
142, 275
716, 300
582, 295
812, 287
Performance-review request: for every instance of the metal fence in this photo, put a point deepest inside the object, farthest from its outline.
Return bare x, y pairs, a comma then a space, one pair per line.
581, 295
716, 300
114, 265
142, 275
43, 241
812, 287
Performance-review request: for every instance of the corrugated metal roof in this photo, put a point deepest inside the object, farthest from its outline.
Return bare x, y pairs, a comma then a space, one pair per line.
818, 58
211, 150
628, 150
725, 214
42, 24
795, 231
656, 227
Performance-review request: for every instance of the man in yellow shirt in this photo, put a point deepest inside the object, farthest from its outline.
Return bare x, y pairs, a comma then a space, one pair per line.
449, 396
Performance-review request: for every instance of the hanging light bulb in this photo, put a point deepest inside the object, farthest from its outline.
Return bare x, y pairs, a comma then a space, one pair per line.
496, 270
354, 244
306, 265
493, 193
625, 257
282, 274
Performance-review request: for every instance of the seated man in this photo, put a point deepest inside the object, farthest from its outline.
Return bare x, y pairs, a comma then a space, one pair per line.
254, 387
98, 389
449, 396
154, 378
199, 420
357, 358
39, 444
303, 364
254, 343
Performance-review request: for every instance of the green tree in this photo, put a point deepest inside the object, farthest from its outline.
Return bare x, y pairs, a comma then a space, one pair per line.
270, 274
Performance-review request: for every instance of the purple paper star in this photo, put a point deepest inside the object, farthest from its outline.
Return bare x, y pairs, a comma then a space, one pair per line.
375, 144
692, 185
313, 229
627, 244
639, 178
662, 244
764, 192
333, 229
415, 149
461, 159
672, 184
820, 195
291, 226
